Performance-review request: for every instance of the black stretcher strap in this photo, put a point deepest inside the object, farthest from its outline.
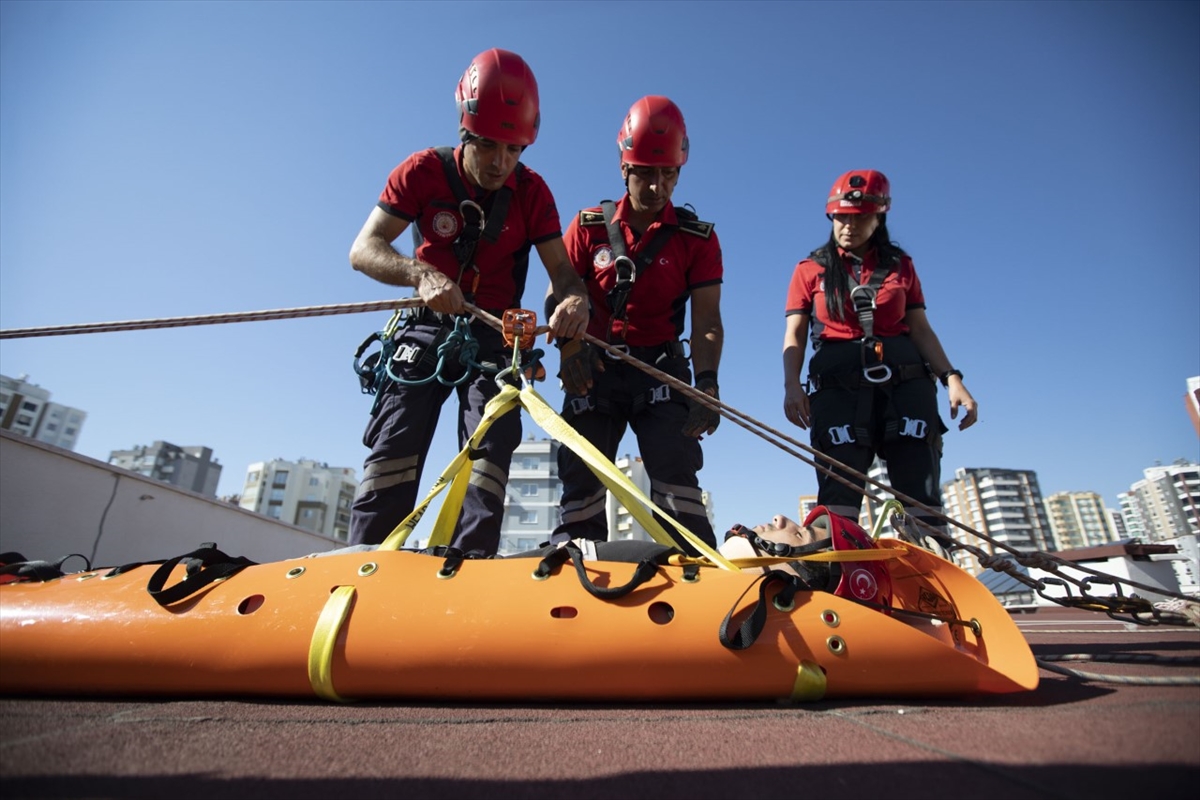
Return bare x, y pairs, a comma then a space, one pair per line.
204, 566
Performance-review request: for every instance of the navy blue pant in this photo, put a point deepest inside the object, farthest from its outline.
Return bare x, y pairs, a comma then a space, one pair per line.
623, 396
902, 426
401, 430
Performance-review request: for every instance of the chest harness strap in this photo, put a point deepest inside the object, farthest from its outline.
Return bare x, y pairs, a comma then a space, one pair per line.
863, 297
476, 223
628, 269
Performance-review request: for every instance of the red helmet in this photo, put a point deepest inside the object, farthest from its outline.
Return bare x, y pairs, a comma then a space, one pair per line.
860, 191
654, 134
498, 98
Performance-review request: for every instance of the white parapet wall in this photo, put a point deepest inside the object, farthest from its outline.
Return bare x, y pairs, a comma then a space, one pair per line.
54, 502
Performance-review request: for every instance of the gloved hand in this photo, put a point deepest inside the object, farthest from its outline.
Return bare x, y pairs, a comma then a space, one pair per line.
702, 419
577, 360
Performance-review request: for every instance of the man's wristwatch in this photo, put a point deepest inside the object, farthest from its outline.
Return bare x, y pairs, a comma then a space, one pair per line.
945, 376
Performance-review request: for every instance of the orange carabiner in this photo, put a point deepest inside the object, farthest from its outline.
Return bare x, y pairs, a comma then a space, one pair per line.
520, 325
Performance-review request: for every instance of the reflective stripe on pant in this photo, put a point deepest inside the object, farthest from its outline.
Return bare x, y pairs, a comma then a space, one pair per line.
671, 459
399, 435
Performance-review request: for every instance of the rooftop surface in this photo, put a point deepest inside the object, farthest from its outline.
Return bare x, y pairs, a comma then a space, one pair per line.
1132, 728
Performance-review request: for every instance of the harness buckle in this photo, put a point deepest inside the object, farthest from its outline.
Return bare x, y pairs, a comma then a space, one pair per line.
659, 394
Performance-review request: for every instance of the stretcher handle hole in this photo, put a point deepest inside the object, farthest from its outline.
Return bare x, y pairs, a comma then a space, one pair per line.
660, 613
250, 604
564, 612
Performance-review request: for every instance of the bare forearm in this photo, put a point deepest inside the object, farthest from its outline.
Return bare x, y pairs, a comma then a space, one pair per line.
930, 349
377, 259
566, 283
706, 346
794, 342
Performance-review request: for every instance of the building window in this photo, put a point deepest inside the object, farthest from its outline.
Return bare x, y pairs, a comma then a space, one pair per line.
281, 477
27, 406
529, 490
529, 463
529, 518
252, 478
314, 481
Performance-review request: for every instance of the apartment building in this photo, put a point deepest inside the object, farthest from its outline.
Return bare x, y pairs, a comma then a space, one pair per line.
1165, 504
26, 410
1004, 505
305, 493
1078, 520
191, 468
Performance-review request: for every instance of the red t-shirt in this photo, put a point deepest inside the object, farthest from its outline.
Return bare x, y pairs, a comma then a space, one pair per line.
418, 191
901, 290
657, 304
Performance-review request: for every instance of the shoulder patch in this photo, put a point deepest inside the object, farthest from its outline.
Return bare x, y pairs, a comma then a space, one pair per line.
696, 227
591, 217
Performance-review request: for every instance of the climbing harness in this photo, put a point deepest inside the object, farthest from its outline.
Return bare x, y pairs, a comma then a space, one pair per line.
863, 297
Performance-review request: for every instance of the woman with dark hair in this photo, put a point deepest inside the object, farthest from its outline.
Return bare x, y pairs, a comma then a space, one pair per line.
870, 387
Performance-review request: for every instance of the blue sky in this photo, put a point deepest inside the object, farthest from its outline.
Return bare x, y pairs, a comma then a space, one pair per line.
163, 159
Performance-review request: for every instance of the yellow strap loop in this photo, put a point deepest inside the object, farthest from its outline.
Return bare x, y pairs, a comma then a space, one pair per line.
324, 638
640, 506
810, 683
876, 554
457, 471
892, 506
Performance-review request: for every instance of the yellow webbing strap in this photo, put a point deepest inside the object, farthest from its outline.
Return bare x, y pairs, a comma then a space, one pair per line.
880, 553
892, 506
810, 683
640, 506
457, 476
325, 635
457, 472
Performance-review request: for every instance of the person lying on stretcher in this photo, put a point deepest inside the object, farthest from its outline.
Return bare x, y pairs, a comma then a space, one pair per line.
865, 581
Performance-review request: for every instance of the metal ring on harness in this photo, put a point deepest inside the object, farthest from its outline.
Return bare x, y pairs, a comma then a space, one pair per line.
868, 292
622, 348
877, 373
466, 243
626, 270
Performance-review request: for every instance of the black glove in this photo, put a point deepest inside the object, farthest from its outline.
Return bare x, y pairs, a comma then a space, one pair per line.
702, 419
576, 360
